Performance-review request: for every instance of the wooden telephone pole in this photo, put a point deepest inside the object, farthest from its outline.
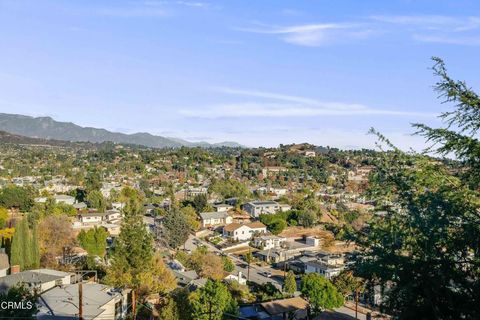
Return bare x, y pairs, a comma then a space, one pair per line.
134, 304
356, 303
80, 300
81, 273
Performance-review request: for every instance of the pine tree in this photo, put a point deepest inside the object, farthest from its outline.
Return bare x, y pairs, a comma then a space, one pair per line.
35, 250
212, 302
425, 252
176, 228
20, 252
290, 283
94, 241
133, 250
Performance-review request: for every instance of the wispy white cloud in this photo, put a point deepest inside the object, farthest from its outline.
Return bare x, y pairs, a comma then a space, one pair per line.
281, 105
263, 94
314, 35
452, 30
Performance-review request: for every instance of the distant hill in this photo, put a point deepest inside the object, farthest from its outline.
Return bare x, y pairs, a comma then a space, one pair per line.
10, 138
48, 128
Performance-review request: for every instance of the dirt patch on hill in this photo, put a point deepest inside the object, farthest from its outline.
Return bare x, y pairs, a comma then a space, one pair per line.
300, 232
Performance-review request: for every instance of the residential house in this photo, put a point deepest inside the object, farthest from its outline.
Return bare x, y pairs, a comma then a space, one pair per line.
281, 309
285, 207
192, 192
91, 217
313, 241
256, 208
240, 278
100, 302
326, 264
118, 205
278, 191
268, 242
241, 217
266, 171
215, 219
40, 280
109, 216
274, 255
222, 207
189, 279
62, 198
240, 232
309, 153
328, 271
107, 188
80, 206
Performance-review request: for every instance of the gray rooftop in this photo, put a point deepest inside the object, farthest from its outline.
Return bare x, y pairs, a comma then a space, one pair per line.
63, 197
80, 205
263, 203
31, 277
184, 278
213, 215
61, 301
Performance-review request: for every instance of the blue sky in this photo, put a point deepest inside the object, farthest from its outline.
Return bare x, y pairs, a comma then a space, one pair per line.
257, 72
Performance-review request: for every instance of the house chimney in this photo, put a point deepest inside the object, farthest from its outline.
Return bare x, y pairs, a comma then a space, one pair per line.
14, 269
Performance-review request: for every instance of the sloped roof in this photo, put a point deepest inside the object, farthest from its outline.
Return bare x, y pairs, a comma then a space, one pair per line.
32, 277
213, 215
252, 225
284, 305
57, 300
256, 224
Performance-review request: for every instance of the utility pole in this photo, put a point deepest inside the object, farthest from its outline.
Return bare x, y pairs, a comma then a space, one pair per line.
80, 299
134, 304
81, 273
356, 303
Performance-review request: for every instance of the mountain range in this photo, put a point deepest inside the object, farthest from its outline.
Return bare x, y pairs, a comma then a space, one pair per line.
48, 128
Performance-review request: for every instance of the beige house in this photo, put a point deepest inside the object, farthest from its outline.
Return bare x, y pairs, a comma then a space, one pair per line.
240, 232
40, 280
215, 219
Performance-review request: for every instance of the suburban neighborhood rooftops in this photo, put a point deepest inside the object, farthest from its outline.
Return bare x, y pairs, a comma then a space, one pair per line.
323, 265
222, 205
33, 277
94, 214
99, 214
256, 224
213, 215
235, 226
57, 301
63, 197
263, 203
80, 205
